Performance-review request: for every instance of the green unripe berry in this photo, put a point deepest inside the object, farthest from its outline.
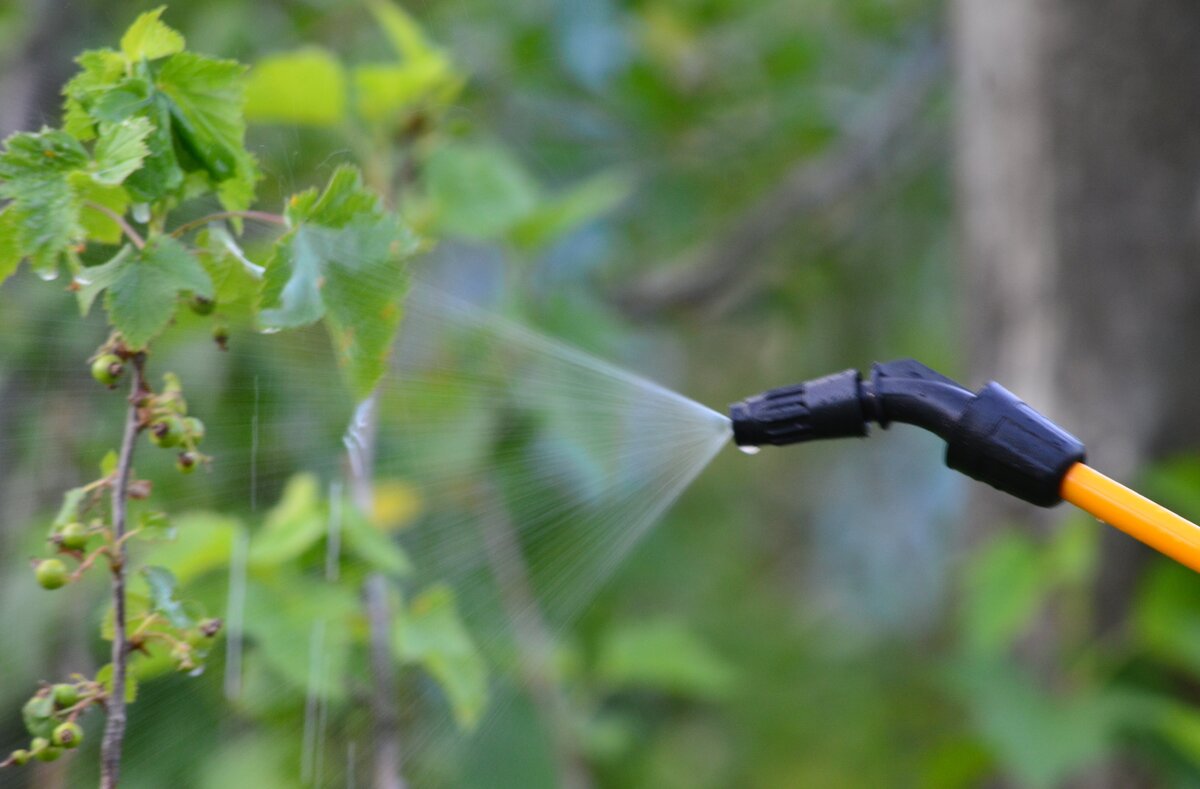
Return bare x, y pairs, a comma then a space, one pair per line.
51, 574
48, 754
65, 695
68, 735
107, 369
43, 751
73, 536
186, 462
202, 306
166, 431
194, 428
19, 757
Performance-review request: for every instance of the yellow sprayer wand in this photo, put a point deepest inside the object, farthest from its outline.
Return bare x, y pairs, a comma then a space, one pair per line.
991, 436
1133, 513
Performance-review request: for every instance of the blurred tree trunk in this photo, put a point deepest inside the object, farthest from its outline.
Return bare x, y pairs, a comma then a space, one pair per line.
1079, 186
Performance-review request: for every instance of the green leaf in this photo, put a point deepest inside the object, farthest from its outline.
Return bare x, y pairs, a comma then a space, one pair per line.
94, 280
97, 225
384, 92
69, 511
30, 155
108, 463
1043, 738
370, 545
478, 192
305, 87
149, 38
38, 715
1006, 582
161, 173
101, 71
302, 630
236, 279
10, 245
662, 656
120, 149
431, 634
293, 525
34, 174
203, 544
104, 677
402, 31
143, 288
343, 261
206, 101
556, 217
163, 589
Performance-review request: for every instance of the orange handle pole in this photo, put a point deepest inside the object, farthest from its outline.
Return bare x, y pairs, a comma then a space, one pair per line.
1134, 514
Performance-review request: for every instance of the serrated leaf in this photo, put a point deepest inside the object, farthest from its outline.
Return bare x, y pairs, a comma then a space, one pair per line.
104, 677
207, 97
96, 224
94, 280
149, 38
431, 633
161, 173
34, 174
305, 87
163, 590
120, 149
342, 261
101, 71
142, 288
33, 155
235, 277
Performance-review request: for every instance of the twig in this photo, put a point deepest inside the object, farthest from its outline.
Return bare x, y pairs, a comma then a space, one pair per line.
114, 726
389, 755
386, 731
126, 228
808, 188
258, 216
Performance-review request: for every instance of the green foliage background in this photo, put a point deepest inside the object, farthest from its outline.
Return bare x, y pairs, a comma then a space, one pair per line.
777, 629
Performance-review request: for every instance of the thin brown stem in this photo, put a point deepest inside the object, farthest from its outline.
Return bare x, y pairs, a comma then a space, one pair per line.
126, 228
258, 216
114, 726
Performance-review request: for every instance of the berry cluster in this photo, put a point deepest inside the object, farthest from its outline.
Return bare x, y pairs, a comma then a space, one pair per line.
82, 533
50, 717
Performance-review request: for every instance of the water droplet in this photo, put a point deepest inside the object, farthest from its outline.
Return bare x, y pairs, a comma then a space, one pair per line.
81, 282
197, 671
750, 450
48, 274
269, 330
141, 212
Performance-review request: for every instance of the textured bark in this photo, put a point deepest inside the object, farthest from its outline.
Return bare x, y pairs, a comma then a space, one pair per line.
1079, 179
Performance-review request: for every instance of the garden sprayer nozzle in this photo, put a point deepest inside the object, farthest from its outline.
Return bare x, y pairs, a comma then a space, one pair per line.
990, 435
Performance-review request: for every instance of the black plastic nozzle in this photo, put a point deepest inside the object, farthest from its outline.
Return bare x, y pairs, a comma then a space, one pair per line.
991, 436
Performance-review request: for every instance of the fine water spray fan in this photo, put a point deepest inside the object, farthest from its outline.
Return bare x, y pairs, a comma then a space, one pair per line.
991, 436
